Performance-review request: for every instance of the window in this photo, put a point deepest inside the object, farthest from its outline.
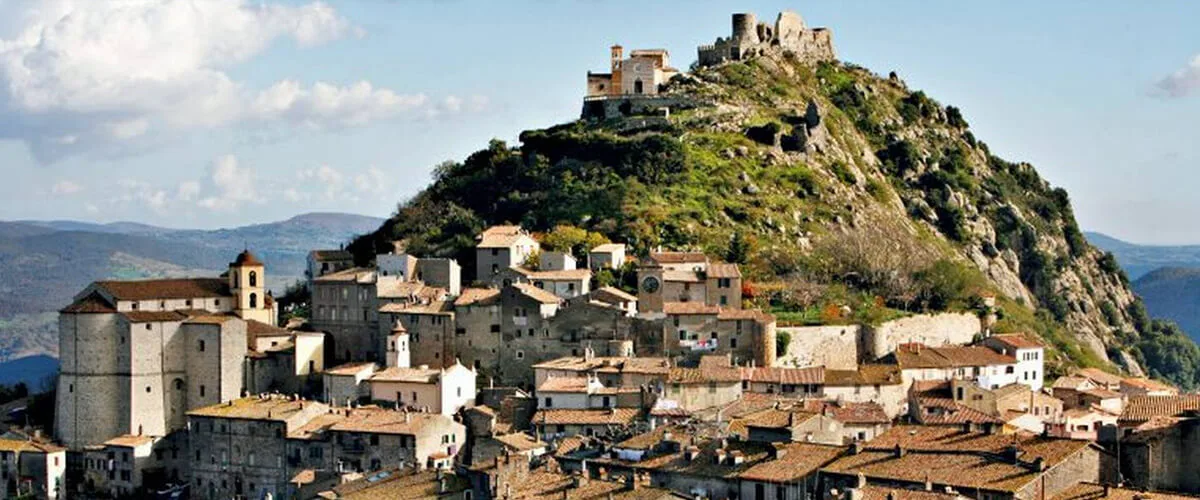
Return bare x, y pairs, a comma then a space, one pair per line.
459, 391
253, 300
495, 328
253, 278
682, 335
712, 387
147, 389
200, 346
414, 399
520, 354
147, 327
733, 343
134, 306
201, 390
549, 403
724, 300
374, 440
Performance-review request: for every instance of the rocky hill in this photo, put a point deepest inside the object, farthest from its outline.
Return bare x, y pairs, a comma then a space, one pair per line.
837, 188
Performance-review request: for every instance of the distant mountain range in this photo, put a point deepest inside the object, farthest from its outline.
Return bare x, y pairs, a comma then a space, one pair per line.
1137, 260
1167, 277
44, 263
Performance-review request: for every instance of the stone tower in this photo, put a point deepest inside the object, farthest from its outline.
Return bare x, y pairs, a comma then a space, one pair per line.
247, 283
398, 353
650, 288
617, 55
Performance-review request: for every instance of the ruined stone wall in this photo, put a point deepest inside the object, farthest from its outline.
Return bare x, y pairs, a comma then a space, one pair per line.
929, 329
833, 346
750, 38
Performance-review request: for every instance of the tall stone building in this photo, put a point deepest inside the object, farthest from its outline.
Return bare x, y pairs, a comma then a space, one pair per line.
137, 355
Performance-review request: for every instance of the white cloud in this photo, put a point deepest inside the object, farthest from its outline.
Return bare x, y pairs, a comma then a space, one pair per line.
85, 74
233, 185
372, 180
1182, 82
142, 192
65, 187
188, 190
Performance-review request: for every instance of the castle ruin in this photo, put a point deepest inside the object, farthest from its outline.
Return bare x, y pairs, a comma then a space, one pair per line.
751, 38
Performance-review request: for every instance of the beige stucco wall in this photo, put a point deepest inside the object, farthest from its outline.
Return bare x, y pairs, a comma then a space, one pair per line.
928, 329
834, 346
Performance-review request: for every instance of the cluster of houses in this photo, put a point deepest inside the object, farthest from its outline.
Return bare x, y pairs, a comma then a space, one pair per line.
529, 380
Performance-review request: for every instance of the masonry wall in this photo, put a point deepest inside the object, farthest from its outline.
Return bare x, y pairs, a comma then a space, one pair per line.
238, 458
93, 385
699, 396
929, 329
347, 310
834, 347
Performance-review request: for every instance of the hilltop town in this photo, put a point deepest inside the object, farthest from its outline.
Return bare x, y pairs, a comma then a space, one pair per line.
571, 364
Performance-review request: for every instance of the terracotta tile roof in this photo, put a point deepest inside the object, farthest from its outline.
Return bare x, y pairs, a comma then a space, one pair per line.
520, 441
1099, 393
610, 416
316, 428
1017, 340
799, 461
129, 441
256, 329
246, 259
960, 470
205, 318
274, 408
613, 294
945, 411
390, 484
1148, 384
537, 294
354, 274
1143, 408
704, 465
544, 485
1093, 491
650, 439
92, 303
931, 388
608, 248
153, 316
352, 368
1071, 382
746, 314
848, 412
700, 376
564, 384
158, 289
477, 297
812, 375
412, 375
681, 276
875, 492
773, 418
438, 307
678, 257
320, 255
914, 355
690, 308
501, 236
723, 270
382, 421
865, 375
562, 275
954, 439
393, 288
21, 445
1098, 376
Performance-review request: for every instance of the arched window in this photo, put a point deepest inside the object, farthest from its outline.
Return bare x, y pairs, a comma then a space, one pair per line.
253, 278
253, 300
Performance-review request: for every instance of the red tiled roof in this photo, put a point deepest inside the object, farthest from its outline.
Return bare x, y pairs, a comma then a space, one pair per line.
699, 375
1093, 491
537, 294
259, 329
93, 303
914, 355
477, 296
723, 270
865, 375
850, 413
799, 460
1098, 376
185, 288
678, 257
785, 376
1143, 408
246, 259
609, 416
682, 308
948, 412
1017, 340
564, 384
153, 316
501, 236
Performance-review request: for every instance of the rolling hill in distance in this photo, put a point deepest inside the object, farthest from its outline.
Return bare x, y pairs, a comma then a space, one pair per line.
44, 263
1167, 277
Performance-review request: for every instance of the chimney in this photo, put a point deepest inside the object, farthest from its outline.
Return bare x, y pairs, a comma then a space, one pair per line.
736, 457
856, 448
778, 451
691, 453
719, 456
602, 474
1011, 454
1039, 464
928, 483
899, 451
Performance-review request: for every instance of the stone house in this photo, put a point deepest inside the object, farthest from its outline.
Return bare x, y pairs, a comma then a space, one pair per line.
564, 283
790, 473
369, 439
697, 328
345, 384
430, 326
435, 272
1161, 452
1082, 393
792, 425
502, 247
401, 483
238, 447
552, 424
1099, 378
615, 297
705, 387
1081, 424
119, 467
1137, 386
322, 262
136, 355
610, 371
585, 393
344, 305
436, 390
687, 277
973, 464
984, 366
1029, 353
857, 421
793, 382
556, 261
32, 468
606, 256
1010, 398
871, 383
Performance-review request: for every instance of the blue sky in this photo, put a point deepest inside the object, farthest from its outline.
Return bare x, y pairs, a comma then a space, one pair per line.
223, 112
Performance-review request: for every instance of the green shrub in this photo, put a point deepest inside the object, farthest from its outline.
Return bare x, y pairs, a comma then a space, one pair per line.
782, 340
843, 173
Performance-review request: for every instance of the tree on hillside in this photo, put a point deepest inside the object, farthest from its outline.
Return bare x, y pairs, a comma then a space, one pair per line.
573, 240
739, 249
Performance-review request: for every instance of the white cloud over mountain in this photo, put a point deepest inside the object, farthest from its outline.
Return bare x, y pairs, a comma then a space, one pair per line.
78, 75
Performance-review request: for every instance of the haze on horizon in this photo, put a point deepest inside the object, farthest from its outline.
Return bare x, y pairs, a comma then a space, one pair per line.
233, 112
